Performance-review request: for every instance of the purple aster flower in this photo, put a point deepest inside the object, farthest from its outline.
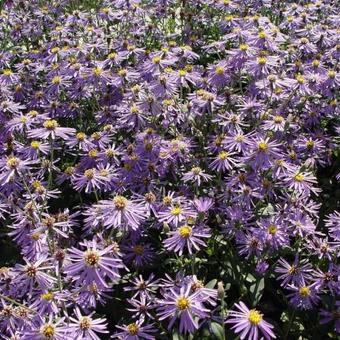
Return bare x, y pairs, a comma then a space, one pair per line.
93, 265
196, 175
297, 273
187, 237
51, 129
86, 327
303, 297
121, 212
250, 323
183, 305
136, 330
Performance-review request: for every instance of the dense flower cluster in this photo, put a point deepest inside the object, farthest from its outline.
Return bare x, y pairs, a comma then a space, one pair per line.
168, 169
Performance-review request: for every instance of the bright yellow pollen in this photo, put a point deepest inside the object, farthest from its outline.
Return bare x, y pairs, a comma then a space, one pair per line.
97, 71
55, 50
262, 35
122, 73
244, 47
183, 303
278, 119
89, 173
262, 146
262, 60
33, 113
304, 291
120, 202
134, 109
310, 144
182, 73
7, 72
176, 211
50, 124
254, 317
91, 258
56, 80
300, 79
299, 177
331, 74
184, 231
35, 145
156, 60
47, 296
12, 162
223, 155
47, 331
93, 153
272, 229
219, 70
133, 328
81, 136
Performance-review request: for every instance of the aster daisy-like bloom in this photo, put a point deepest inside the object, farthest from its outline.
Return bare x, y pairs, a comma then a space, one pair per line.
186, 237
121, 212
135, 330
249, 323
86, 327
51, 129
224, 161
177, 212
183, 305
295, 273
303, 297
196, 175
301, 182
93, 265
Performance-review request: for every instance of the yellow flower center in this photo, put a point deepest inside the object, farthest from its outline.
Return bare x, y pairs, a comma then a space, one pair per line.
223, 155
272, 229
133, 329
261, 60
120, 202
244, 47
91, 258
7, 72
299, 177
12, 162
93, 153
81, 136
183, 303
175, 211
182, 73
47, 331
85, 323
196, 170
278, 119
300, 79
304, 291
262, 146
122, 73
219, 70
254, 317
89, 173
50, 124
184, 231
138, 249
262, 35
47, 296
35, 145
56, 80
331, 74
97, 71
156, 60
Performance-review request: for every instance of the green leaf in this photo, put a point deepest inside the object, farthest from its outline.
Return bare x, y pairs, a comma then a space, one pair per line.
217, 330
256, 290
211, 284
